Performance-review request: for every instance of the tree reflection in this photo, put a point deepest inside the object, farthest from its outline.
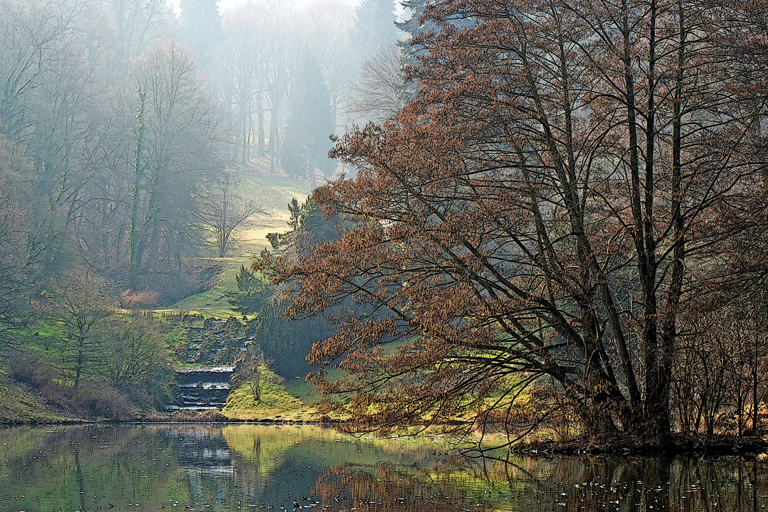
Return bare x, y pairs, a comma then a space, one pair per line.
539, 484
210, 467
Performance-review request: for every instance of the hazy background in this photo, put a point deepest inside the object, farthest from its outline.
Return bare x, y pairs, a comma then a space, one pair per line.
132, 131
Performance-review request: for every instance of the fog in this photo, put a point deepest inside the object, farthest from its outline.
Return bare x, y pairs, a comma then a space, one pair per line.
226, 4
127, 127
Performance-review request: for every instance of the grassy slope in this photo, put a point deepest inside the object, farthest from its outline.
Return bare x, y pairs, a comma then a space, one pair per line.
272, 195
292, 400
17, 405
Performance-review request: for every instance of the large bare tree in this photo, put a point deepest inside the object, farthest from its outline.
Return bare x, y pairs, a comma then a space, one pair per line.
543, 208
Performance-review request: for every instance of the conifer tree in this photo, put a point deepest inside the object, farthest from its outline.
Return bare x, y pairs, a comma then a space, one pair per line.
202, 26
306, 138
375, 26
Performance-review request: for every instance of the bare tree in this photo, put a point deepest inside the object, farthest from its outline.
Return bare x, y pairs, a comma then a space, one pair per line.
277, 72
222, 209
242, 58
330, 27
79, 301
181, 134
378, 92
138, 23
138, 358
253, 371
13, 255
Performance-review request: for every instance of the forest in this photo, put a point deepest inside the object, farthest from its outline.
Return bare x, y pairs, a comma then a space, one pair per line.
523, 212
134, 139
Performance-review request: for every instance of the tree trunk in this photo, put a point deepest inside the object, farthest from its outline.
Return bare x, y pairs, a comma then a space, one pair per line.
135, 243
80, 359
311, 165
244, 124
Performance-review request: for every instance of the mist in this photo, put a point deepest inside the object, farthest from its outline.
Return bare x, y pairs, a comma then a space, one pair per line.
128, 126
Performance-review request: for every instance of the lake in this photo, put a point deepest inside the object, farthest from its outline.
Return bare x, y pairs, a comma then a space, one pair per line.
264, 467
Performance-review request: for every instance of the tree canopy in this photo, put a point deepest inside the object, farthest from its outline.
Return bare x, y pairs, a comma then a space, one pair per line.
202, 24
569, 176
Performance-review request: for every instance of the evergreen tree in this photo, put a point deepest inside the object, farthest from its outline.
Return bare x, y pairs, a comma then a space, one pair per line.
202, 25
306, 138
375, 26
412, 27
251, 292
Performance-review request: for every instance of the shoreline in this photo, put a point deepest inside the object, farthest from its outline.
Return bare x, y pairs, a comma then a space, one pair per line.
673, 446
753, 447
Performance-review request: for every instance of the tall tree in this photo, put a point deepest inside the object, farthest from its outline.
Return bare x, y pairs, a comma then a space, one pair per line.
222, 209
310, 125
542, 208
379, 91
138, 23
202, 25
375, 26
330, 35
79, 302
244, 49
15, 247
280, 52
180, 136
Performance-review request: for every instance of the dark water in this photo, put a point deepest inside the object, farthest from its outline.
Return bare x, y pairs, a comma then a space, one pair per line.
249, 467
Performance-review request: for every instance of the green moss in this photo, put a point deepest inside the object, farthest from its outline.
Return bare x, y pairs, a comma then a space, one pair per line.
291, 401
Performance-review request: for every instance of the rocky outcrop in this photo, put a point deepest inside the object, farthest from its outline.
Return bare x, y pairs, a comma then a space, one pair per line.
215, 342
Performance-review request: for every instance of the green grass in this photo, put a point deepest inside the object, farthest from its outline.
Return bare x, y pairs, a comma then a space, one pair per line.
289, 401
272, 195
303, 390
17, 405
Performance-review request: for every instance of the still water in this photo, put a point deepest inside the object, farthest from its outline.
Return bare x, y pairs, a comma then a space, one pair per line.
255, 467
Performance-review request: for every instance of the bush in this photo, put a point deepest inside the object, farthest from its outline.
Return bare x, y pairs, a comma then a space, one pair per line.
100, 401
144, 299
30, 369
94, 400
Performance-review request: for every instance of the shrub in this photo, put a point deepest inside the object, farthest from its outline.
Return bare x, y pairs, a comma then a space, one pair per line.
103, 402
144, 299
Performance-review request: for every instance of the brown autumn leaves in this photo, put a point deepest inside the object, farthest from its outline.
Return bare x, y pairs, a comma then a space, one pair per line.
574, 182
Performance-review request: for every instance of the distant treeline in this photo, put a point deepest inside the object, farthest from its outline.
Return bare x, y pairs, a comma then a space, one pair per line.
122, 124
125, 132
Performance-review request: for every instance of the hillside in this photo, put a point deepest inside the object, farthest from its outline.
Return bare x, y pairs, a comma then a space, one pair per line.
30, 393
271, 194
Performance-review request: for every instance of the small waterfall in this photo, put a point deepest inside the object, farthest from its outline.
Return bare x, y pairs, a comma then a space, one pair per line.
202, 387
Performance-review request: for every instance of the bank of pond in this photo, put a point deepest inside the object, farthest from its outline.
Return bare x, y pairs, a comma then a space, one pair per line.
232, 467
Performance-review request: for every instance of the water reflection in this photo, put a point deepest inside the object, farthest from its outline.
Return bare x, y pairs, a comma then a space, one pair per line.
249, 467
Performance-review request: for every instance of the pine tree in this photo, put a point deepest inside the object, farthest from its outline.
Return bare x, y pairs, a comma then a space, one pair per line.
202, 25
306, 138
413, 25
375, 26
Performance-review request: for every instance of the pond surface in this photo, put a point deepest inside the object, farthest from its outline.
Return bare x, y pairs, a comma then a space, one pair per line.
255, 467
